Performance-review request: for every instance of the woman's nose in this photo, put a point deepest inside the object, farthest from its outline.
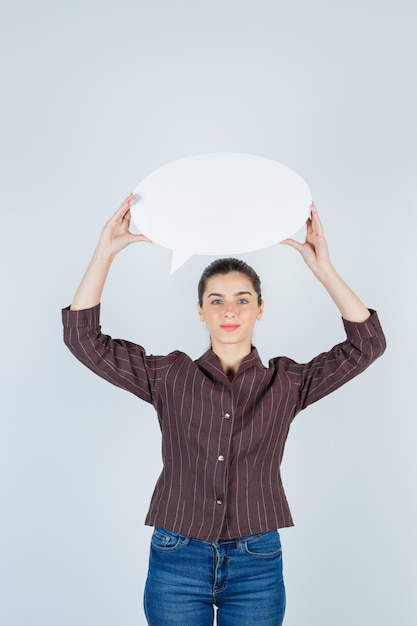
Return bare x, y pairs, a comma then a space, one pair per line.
230, 311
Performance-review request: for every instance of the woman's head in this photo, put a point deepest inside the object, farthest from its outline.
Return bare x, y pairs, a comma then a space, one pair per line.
230, 303
227, 266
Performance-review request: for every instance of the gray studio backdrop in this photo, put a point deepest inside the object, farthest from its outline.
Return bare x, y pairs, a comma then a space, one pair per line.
95, 95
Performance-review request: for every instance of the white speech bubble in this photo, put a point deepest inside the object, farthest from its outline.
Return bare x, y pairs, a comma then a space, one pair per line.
220, 203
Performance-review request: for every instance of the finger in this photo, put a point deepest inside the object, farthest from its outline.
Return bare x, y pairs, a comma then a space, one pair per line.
309, 226
139, 237
293, 243
318, 227
126, 216
125, 206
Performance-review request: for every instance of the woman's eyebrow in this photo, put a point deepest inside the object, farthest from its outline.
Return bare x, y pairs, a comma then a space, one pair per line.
221, 295
215, 294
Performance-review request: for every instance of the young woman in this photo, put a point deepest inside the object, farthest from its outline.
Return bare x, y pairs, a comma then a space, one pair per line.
224, 418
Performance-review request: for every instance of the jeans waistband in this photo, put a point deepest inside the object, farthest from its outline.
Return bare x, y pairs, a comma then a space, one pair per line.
237, 541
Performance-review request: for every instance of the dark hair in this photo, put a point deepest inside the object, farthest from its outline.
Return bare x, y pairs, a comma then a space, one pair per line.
226, 266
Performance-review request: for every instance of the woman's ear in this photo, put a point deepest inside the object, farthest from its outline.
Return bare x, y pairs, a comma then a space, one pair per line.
200, 313
261, 310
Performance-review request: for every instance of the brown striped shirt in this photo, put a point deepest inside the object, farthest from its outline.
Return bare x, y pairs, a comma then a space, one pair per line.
222, 441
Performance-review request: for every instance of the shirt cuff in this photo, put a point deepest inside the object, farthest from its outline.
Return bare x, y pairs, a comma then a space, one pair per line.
81, 319
362, 330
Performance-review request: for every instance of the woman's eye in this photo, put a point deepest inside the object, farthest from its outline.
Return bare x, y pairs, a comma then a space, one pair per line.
216, 301
243, 301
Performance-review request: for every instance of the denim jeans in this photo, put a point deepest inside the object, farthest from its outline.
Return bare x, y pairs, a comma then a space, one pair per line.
188, 577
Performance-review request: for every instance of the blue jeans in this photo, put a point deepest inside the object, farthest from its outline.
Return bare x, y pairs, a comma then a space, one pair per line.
188, 577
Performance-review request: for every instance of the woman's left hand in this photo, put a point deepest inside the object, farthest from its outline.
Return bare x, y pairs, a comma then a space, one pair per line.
314, 250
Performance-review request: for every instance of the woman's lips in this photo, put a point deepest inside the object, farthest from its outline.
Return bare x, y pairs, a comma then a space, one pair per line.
229, 327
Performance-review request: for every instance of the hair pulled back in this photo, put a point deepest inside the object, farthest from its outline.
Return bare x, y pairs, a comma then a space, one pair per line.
226, 266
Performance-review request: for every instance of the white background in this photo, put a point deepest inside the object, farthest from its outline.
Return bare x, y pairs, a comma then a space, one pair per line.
95, 95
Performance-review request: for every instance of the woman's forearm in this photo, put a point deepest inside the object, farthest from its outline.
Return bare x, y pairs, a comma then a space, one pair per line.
316, 254
114, 237
346, 300
91, 286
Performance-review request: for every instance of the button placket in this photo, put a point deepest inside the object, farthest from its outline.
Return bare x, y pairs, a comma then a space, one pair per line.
221, 458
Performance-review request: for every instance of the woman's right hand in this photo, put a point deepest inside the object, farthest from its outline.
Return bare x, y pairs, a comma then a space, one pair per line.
116, 234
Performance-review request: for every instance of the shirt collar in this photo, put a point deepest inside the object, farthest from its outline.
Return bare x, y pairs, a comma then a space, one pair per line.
210, 363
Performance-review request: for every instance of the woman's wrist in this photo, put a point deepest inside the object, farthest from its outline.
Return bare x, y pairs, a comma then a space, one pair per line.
103, 255
325, 273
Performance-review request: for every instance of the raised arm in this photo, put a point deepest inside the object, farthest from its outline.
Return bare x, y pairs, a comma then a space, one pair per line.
316, 254
114, 237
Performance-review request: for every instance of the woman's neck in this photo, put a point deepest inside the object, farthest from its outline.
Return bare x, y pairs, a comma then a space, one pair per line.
231, 356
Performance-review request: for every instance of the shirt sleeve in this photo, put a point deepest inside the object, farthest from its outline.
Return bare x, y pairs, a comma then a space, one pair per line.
122, 363
365, 342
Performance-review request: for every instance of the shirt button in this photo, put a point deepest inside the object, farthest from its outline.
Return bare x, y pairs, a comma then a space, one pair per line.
227, 416
220, 458
219, 501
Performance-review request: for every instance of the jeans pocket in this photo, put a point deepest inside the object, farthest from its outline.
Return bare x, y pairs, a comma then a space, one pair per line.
265, 545
166, 541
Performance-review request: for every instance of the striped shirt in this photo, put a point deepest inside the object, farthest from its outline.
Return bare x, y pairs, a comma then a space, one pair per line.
222, 440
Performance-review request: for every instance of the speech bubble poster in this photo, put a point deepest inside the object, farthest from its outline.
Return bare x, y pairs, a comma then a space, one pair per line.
221, 204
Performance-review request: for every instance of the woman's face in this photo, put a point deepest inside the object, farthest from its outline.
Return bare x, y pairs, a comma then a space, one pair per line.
230, 309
